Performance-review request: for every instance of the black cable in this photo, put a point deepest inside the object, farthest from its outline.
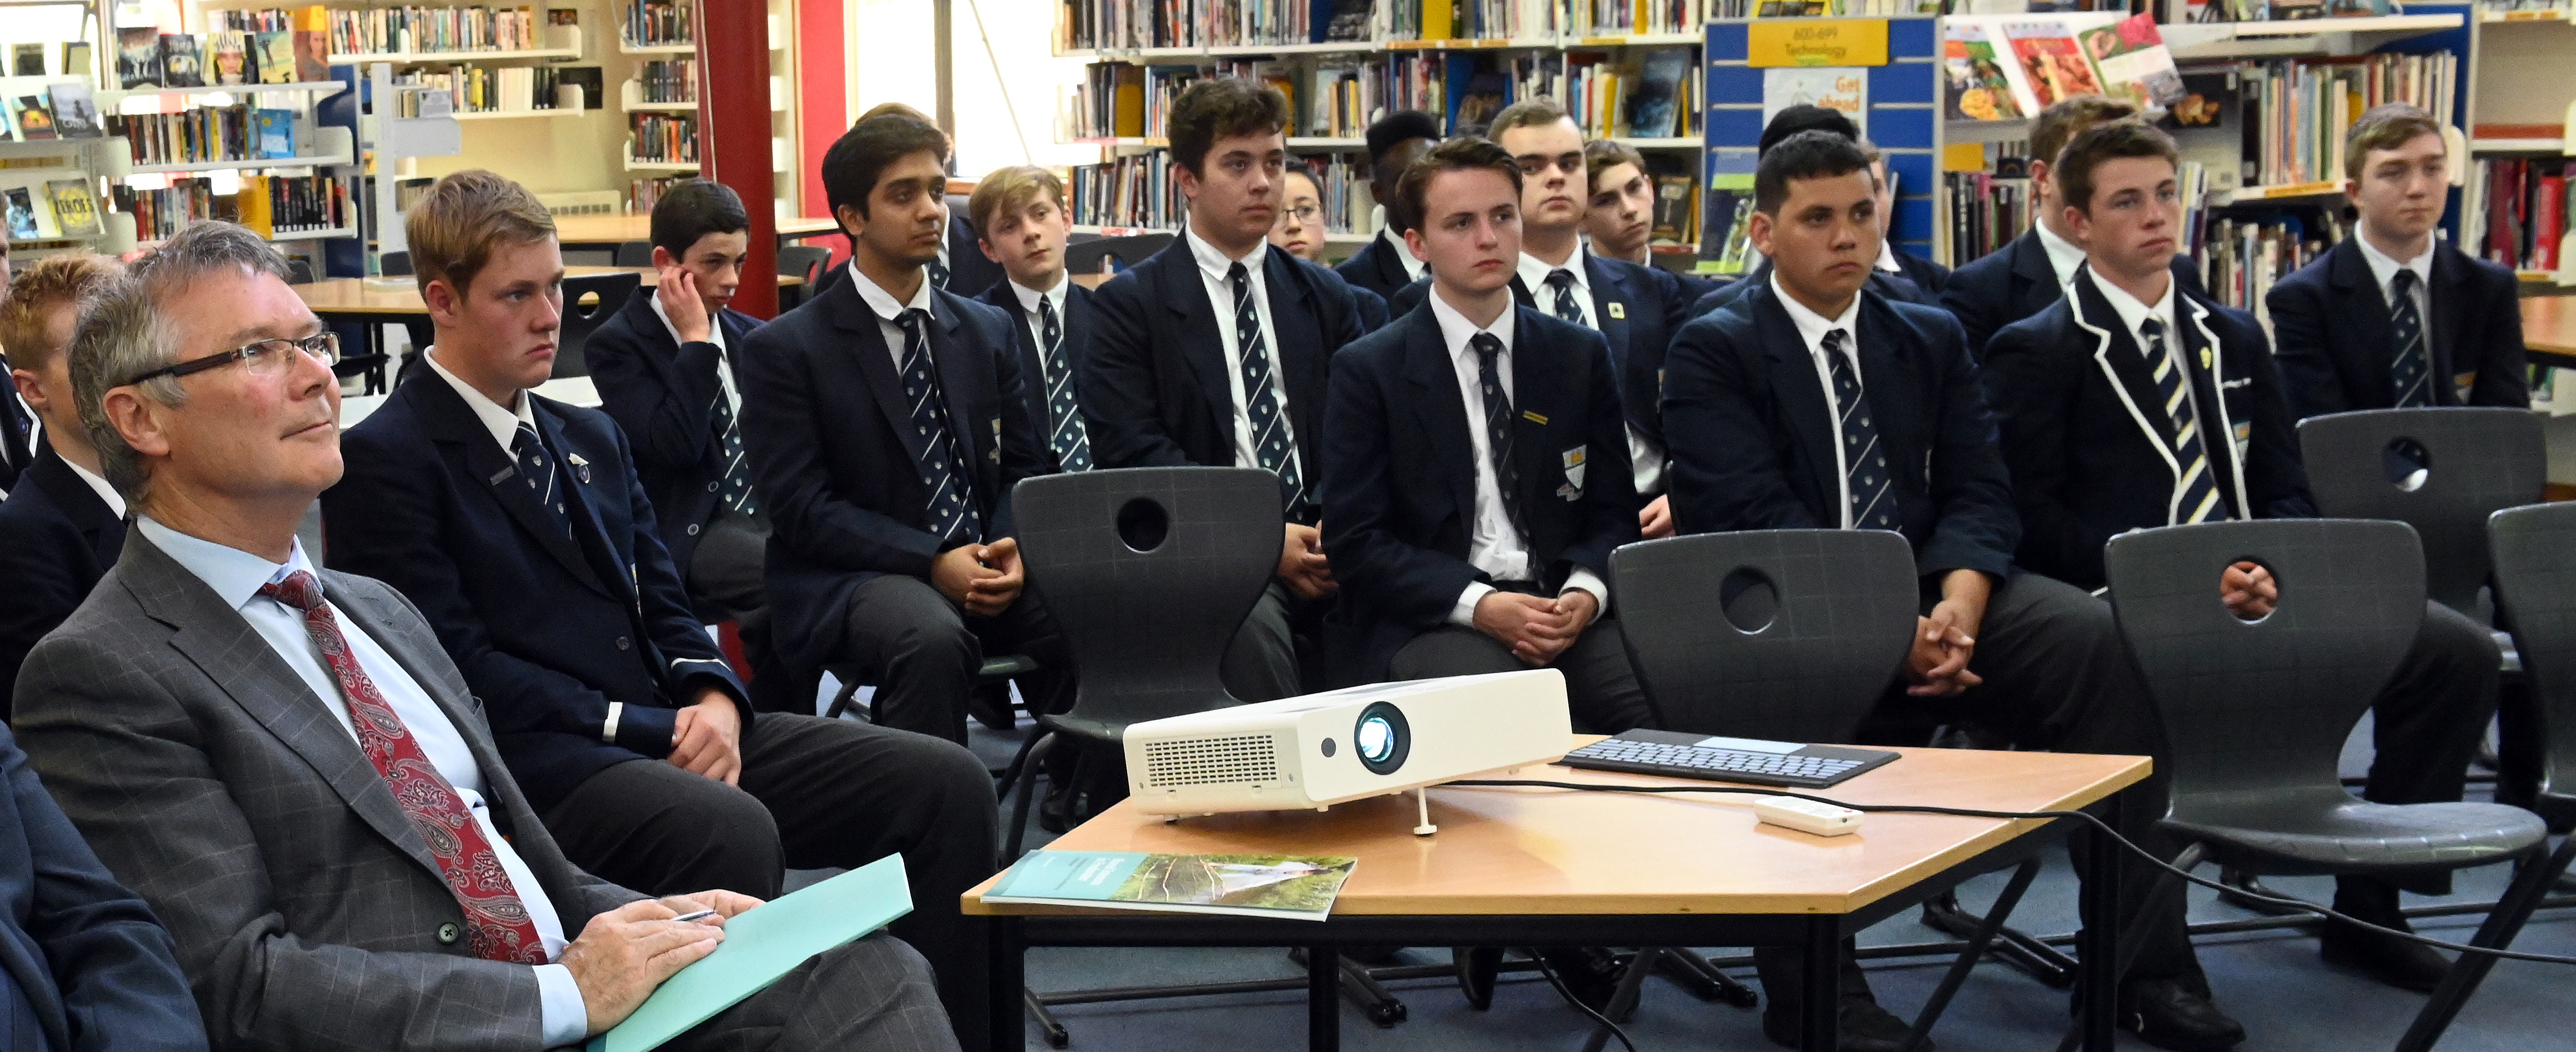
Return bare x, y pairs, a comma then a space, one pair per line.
1577, 1002
2097, 823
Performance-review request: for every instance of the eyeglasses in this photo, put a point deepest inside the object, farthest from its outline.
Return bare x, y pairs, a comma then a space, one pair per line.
1535, 165
1305, 215
262, 358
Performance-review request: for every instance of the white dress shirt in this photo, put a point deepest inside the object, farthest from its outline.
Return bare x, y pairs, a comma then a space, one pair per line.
1029, 297
115, 501
887, 309
715, 335
236, 577
1812, 328
2134, 314
2063, 255
2384, 268
1413, 268
1213, 266
1887, 257
1494, 545
502, 423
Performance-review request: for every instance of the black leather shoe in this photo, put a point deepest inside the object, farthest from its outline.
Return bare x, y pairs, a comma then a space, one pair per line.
2169, 1015
1477, 966
1864, 1026
990, 704
2398, 962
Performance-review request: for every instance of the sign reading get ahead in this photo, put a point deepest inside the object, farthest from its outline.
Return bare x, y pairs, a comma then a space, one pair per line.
1813, 42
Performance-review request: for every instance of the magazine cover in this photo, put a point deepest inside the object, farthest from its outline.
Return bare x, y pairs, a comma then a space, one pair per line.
275, 53
22, 215
276, 133
26, 60
76, 110
1300, 887
232, 57
2051, 61
76, 59
75, 207
35, 118
312, 55
1654, 110
179, 61
138, 57
1979, 91
2136, 66
1841, 88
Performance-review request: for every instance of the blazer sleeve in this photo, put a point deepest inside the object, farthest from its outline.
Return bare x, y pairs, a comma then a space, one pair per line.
113, 963
1725, 474
1979, 318
695, 662
37, 564
1978, 528
2502, 364
2032, 387
386, 518
784, 443
667, 414
1363, 536
1119, 407
128, 763
2307, 366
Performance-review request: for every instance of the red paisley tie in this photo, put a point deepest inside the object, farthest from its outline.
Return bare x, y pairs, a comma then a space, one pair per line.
497, 921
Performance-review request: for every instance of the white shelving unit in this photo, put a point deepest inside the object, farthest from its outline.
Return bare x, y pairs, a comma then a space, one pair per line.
498, 115
664, 167
409, 57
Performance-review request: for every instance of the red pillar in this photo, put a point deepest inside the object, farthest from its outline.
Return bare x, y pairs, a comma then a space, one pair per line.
822, 110
733, 134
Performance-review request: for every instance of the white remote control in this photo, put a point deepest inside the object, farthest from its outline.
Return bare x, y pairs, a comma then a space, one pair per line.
1807, 816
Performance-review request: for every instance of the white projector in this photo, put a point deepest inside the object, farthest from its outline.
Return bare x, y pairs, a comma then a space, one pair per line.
1323, 749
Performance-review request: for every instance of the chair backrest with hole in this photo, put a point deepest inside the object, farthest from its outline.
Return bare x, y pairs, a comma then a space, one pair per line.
2442, 471
605, 294
1717, 655
801, 261
1148, 572
2255, 708
2535, 578
634, 254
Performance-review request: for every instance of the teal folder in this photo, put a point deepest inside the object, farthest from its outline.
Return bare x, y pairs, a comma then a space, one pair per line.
762, 944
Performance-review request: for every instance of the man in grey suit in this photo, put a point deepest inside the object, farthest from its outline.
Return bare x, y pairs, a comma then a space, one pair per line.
284, 764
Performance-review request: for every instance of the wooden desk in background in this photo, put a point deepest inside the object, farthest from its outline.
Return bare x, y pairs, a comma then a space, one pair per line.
1553, 867
2549, 330
610, 231
344, 297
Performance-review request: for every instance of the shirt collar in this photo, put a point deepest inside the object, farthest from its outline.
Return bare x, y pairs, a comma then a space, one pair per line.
502, 423
2062, 254
1029, 297
1534, 271
715, 325
1812, 326
1413, 268
2133, 312
2384, 267
1214, 264
115, 501
1456, 330
882, 302
1887, 257
234, 574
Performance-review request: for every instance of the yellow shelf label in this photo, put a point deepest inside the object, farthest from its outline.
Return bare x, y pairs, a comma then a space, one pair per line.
1816, 42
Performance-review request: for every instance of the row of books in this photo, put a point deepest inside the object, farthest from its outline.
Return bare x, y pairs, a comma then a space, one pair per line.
1132, 24
2560, 8
486, 89
149, 58
2517, 214
2306, 107
281, 205
1648, 94
207, 134
59, 209
415, 29
666, 138
643, 194
1343, 183
57, 111
654, 25
1987, 209
2242, 257
1131, 191
674, 81
161, 214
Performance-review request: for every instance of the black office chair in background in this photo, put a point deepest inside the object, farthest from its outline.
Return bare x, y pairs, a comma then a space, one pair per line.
588, 302
803, 261
1104, 255
2256, 713
1783, 635
633, 254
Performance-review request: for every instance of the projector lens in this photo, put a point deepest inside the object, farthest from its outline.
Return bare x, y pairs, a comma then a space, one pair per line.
1381, 738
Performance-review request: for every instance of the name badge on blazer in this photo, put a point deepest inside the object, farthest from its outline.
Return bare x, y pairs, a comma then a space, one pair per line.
996, 454
1619, 310
2244, 437
2462, 382
1573, 461
580, 467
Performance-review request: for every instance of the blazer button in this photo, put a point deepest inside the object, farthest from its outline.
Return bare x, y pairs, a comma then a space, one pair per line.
711, 487
448, 933
693, 529
624, 643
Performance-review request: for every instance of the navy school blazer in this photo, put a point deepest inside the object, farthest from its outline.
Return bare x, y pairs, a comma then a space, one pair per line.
57, 538
837, 460
2337, 336
2015, 282
1754, 431
547, 629
1077, 323
1400, 476
2089, 448
663, 395
1375, 268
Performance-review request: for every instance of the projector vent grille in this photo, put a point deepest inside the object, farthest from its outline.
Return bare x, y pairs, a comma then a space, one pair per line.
1206, 761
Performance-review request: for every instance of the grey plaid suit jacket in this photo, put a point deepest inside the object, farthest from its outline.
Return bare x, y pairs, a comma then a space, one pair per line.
214, 783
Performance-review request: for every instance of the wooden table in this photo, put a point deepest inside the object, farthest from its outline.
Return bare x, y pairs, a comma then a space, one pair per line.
610, 231
1552, 867
2549, 330
337, 297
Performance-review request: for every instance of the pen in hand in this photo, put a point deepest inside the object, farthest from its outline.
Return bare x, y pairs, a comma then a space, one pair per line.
695, 916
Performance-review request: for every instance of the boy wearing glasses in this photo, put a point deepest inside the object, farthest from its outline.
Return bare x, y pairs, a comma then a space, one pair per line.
519, 528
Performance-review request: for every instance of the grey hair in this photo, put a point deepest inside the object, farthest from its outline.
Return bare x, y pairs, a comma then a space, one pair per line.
122, 334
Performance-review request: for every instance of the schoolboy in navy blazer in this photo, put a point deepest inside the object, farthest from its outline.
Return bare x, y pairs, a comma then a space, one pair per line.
2095, 452
1453, 566
1021, 212
2336, 317
63, 526
1385, 265
1761, 439
1077, 325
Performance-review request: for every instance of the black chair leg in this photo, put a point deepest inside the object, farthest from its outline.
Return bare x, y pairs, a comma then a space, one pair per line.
2530, 882
1684, 965
1020, 801
1623, 999
2237, 878
2033, 957
1019, 766
841, 701
1977, 942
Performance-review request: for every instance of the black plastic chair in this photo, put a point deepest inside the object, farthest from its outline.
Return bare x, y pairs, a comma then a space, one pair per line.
604, 294
803, 261
394, 264
299, 270
634, 254
2535, 582
1786, 635
1105, 255
2472, 463
1148, 572
2256, 714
